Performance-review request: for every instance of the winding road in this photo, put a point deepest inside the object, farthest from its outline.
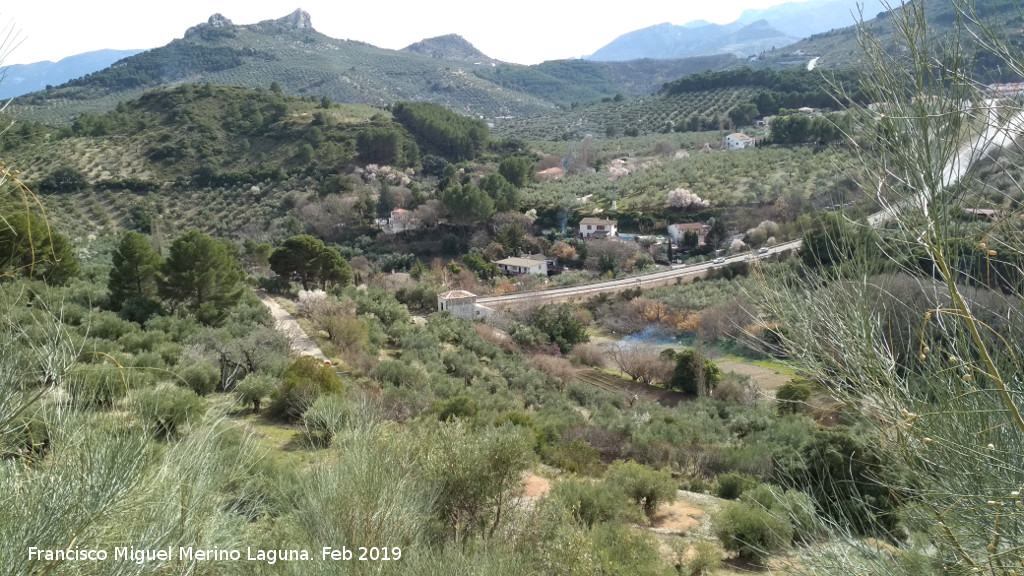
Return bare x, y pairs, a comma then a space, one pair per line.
996, 136
660, 278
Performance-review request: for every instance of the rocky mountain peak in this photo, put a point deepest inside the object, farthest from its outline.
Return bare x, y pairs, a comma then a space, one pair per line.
219, 21
298, 20
216, 21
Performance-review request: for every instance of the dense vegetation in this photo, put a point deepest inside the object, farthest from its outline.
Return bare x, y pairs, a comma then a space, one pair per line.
848, 407
441, 131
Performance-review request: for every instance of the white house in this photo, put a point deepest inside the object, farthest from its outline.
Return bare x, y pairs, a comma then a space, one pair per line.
738, 141
460, 303
401, 220
518, 266
677, 231
598, 228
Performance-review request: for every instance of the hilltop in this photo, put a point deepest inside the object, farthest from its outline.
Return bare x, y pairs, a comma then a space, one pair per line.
289, 51
449, 47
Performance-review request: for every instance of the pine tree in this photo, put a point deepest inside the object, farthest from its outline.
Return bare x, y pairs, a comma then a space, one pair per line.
136, 271
202, 276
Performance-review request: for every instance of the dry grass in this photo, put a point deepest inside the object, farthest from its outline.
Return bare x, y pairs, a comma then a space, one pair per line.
495, 336
678, 516
591, 355
555, 366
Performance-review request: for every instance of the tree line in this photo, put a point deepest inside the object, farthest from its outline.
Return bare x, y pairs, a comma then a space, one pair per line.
441, 131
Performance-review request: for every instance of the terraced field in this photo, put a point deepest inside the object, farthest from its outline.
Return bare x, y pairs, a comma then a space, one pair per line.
228, 212
647, 115
628, 388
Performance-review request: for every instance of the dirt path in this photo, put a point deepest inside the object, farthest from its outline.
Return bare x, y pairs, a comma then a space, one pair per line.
285, 323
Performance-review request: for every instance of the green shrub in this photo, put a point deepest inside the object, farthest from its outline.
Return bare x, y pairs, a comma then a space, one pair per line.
698, 485
139, 309
462, 363
324, 419
169, 351
706, 559
647, 487
398, 373
254, 388
109, 326
141, 341
304, 381
751, 531
795, 506
576, 456
763, 495
592, 503
799, 508
150, 360
167, 408
692, 367
201, 378
560, 325
730, 486
849, 479
625, 550
524, 420
791, 398
26, 436
528, 336
457, 407
98, 385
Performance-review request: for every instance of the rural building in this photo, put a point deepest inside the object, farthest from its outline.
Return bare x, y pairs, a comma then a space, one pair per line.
983, 213
598, 228
519, 266
677, 231
738, 141
401, 220
460, 303
1011, 90
807, 110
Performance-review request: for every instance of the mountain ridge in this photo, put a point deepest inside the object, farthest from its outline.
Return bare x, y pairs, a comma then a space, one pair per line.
19, 79
287, 51
665, 41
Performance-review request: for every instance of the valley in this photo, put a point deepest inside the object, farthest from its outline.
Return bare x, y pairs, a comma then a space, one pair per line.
264, 289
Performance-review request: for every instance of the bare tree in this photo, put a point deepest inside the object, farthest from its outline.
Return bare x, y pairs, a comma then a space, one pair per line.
641, 362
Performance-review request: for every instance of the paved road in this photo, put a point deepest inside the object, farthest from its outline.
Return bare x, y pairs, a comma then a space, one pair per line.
677, 271
996, 136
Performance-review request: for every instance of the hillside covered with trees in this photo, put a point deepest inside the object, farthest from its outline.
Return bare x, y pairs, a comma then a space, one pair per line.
236, 320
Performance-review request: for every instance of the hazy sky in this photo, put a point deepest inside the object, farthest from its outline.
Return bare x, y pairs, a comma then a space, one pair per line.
524, 31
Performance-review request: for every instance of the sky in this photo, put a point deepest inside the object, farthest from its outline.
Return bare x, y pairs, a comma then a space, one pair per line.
522, 32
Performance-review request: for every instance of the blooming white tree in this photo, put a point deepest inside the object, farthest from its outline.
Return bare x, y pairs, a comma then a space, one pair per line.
685, 199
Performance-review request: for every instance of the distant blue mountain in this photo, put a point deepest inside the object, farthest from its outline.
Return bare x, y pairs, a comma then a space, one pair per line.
664, 41
755, 31
803, 19
19, 79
